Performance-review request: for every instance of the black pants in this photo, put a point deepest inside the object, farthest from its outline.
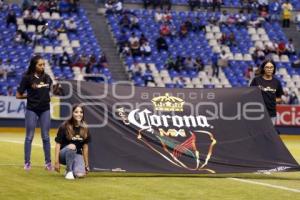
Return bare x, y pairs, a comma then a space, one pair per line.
286, 23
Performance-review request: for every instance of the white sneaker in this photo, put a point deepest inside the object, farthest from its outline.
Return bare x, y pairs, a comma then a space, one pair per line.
70, 175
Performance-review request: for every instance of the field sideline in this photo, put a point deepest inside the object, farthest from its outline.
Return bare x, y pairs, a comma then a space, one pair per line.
15, 183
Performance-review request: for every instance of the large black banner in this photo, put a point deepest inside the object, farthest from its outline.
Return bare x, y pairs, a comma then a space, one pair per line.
160, 130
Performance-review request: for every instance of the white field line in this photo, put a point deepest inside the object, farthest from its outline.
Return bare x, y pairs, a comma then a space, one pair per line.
266, 184
21, 142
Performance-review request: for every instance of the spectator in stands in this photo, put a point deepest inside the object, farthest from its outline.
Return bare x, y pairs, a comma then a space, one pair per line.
199, 25
38, 85
147, 76
22, 37
118, 7
103, 61
183, 30
122, 40
161, 44
179, 63
11, 18
250, 73
198, 64
52, 7
49, 32
71, 26
223, 60
10, 91
193, 4
64, 60
3, 70
134, 44
188, 23
180, 82
275, 10
188, 64
135, 70
167, 3
264, 14
297, 21
281, 48
146, 3
263, 4
126, 50
18, 37
92, 63
286, 13
290, 48
145, 49
270, 87
207, 4
286, 96
293, 99
170, 63
216, 4
270, 48
71, 147
124, 21
109, 7
255, 21
34, 5
224, 18
167, 16
252, 6
158, 16
165, 30
258, 54
25, 4
54, 60
134, 22
241, 19
61, 27
215, 65
155, 3
143, 39
42, 6
1, 5
37, 19
80, 61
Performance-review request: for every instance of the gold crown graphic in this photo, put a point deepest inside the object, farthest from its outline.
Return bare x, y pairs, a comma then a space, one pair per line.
168, 103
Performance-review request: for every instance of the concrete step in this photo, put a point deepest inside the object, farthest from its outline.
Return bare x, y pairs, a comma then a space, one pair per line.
103, 34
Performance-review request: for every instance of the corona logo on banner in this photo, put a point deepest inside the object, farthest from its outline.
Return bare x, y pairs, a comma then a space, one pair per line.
179, 135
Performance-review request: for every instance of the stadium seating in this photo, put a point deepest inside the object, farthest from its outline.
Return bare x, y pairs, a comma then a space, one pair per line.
226, 3
204, 45
81, 42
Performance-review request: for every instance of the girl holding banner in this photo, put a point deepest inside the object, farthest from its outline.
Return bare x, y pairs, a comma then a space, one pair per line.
37, 84
72, 145
270, 87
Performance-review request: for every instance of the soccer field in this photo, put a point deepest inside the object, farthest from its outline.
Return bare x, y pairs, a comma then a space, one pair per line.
15, 183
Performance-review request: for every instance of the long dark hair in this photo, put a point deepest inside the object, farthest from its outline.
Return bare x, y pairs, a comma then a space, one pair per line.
32, 65
263, 64
70, 124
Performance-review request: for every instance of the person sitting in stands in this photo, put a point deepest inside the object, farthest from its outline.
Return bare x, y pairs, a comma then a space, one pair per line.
134, 22
71, 26
165, 29
146, 49
64, 60
183, 31
134, 45
161, 44
11, 18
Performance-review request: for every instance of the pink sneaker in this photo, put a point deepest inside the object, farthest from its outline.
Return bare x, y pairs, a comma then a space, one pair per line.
48, 166
27, 166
